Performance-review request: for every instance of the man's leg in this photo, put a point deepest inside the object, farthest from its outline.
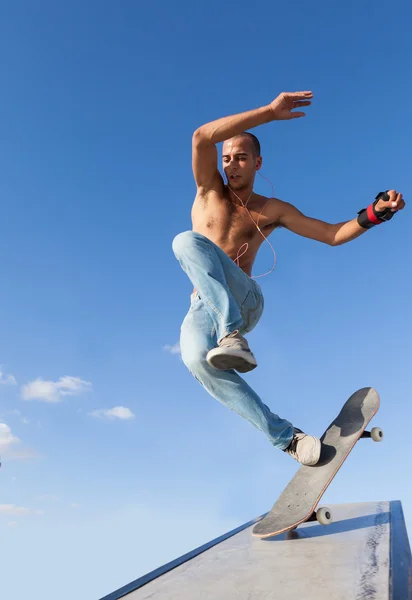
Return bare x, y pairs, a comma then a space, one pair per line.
233, 300
197, 338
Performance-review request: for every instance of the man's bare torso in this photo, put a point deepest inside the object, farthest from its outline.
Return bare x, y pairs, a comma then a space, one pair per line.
222, 218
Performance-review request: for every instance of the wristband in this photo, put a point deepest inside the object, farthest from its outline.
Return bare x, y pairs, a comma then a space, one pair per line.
369, 217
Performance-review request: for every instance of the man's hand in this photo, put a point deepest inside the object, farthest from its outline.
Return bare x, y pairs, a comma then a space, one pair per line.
283, 105
395, 202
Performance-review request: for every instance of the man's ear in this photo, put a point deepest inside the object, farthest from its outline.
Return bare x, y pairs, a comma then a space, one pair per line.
258, 163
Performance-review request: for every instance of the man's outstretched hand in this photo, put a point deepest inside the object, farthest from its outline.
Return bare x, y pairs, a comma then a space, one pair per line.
283, 105
395, 202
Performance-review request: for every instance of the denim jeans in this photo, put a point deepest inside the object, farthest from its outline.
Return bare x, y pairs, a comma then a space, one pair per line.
226, 299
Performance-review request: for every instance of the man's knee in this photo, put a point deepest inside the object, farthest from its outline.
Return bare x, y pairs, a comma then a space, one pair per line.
196, 362
185, 241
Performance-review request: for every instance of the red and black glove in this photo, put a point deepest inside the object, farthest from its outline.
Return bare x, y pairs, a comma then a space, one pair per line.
369, 217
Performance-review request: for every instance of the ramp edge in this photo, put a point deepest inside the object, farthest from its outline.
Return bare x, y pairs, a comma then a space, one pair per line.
400, 559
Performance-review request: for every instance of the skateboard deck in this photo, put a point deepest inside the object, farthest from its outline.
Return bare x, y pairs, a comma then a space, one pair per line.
299, 499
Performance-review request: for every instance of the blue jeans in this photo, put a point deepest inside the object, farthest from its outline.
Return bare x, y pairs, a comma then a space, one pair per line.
226, 299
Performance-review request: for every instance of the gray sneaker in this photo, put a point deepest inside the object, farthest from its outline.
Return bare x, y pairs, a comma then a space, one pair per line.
304, 448
233, 352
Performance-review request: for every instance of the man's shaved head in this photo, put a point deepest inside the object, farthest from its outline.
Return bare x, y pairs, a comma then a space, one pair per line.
253, 140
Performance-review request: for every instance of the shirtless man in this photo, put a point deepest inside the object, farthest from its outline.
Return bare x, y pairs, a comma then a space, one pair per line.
227, 302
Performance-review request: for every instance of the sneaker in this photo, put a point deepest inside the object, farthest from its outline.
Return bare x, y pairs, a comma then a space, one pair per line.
304, 448
233, 352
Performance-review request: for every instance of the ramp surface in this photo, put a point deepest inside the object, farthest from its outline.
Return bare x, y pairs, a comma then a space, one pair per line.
363, 555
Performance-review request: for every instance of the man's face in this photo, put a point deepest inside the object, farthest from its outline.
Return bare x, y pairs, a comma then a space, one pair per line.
239, 162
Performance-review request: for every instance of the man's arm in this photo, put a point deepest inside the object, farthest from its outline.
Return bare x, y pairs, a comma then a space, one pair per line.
205, 138
291, 218
204, 164
332, 234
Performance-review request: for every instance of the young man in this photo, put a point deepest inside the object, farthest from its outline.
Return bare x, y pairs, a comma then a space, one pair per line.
230, 222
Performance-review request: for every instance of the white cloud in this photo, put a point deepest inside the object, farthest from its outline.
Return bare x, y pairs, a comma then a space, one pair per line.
12, 509
175, 349
7, 439
117, 412
7, 379
12, 523
75, 505
8, 442
53, 391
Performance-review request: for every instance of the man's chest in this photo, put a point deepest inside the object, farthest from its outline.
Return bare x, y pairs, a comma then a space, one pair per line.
226, 217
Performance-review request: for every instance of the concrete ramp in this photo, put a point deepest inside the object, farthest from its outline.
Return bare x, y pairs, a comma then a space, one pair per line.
363, 555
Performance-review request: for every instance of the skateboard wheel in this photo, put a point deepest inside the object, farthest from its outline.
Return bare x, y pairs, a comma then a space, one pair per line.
324, 516
377, 434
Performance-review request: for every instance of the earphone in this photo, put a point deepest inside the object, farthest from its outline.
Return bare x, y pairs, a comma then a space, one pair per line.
257, 227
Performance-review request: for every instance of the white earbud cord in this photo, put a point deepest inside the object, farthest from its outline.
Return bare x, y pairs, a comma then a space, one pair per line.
258, 228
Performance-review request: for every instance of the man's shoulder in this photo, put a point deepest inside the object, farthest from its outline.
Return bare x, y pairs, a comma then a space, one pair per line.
270, 209
268, 201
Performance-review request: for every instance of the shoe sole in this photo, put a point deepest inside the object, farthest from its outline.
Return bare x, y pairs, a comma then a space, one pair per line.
227, 362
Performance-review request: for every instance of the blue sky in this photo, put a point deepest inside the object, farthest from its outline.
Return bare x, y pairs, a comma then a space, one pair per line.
114, 460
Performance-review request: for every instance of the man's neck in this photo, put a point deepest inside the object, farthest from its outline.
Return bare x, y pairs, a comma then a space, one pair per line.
241, 197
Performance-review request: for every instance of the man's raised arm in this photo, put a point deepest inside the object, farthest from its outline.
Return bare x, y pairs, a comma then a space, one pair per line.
205, 138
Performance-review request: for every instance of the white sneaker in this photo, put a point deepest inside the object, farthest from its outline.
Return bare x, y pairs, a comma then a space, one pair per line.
233, 352
304, 448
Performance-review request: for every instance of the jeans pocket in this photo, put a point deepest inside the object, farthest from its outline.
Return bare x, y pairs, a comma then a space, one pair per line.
251, 310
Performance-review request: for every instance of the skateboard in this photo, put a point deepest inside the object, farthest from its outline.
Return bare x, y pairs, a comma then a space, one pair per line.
299, 499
